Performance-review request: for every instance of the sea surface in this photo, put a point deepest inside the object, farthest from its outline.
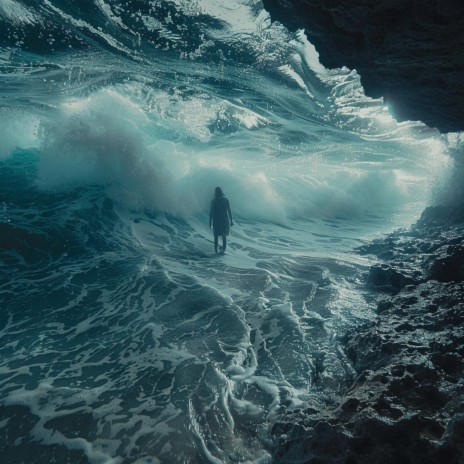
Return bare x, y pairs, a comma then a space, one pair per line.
123, 337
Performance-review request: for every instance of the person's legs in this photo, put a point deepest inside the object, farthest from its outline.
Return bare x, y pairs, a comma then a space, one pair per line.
224, 243
216, 242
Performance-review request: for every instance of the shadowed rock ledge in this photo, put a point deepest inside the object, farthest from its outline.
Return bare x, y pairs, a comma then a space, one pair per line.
406, 403
409, 52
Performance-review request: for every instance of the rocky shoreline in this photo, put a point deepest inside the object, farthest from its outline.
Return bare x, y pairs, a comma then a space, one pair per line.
407, 403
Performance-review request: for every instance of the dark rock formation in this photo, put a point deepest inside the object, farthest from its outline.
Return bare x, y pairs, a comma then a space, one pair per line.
407, 403
388, 279
410, 52
433, 249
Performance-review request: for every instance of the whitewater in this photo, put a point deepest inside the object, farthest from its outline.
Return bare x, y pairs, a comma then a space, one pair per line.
124, 337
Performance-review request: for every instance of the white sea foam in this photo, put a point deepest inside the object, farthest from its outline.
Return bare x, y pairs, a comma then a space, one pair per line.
19, 130
146, 163
16, 12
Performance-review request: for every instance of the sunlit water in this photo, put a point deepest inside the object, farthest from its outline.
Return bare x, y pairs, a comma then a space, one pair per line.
124, 338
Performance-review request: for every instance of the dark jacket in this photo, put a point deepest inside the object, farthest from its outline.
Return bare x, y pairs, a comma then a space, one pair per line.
220, 215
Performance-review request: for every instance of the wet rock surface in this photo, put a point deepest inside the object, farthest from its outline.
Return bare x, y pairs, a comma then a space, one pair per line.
406, 404
409, 52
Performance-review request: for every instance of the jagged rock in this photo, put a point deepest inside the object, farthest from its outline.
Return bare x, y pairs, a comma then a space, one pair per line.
449, 267
409, 52
407, 403
387, 279
440, 216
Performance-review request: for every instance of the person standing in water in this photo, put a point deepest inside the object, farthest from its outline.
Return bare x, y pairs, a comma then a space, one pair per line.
220, 216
